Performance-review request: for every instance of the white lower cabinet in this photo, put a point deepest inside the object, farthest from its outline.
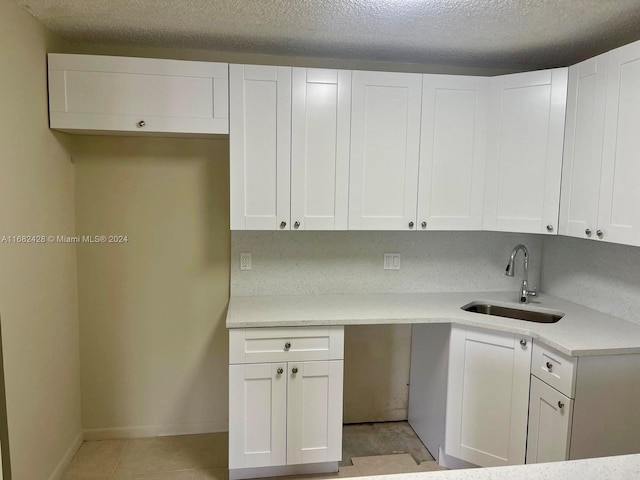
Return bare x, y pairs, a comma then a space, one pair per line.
287, 413
257, 415
487, 396
550, 415
314, 412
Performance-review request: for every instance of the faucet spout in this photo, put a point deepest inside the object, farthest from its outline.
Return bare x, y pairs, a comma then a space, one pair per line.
525, 293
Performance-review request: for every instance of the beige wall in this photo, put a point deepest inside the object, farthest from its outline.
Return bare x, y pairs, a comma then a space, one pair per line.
38, 302
154, 347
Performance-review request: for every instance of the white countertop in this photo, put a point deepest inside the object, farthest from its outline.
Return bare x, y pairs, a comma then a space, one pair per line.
580, 332
624, 467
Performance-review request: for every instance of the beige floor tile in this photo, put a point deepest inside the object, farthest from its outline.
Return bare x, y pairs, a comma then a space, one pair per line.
165, 454
95, 460
212, 474
207, 451
181, 475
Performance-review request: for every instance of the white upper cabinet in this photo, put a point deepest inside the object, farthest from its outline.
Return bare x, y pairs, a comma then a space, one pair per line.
385, 145
95, 93
487, 396
452, 152
525, 143
260, 146
320, 138
584, 133
619, 212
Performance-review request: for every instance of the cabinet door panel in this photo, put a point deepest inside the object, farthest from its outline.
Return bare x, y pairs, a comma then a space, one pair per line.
113, 94
452, 152
619, 215
257, 415
584, 135
314, 429
550, 414
260, 146
524, 162
385, 141
320, 138
487, 397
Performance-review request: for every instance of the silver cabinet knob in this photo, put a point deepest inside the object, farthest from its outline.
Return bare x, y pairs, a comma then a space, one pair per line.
560, 404
587, 232
296, 225
283, 224
141, 124
549, 366
549, 228
424, 224
294, 370
600, 233
287, 345
410, 224
280, 371
523, 342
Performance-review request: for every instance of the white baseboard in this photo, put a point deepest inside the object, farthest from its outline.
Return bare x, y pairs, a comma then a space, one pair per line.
66, 460
153, 431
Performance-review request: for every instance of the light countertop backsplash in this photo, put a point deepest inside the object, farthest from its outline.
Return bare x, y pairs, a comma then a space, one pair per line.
599, 275
307, 262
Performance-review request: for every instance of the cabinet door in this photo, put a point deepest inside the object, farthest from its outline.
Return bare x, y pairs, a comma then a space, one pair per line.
260, 146
619, 215
314, 412
99, 93
385, 144
584, 135
524, 162
321, 122
257, 415
550, 415
487, 397
452, 152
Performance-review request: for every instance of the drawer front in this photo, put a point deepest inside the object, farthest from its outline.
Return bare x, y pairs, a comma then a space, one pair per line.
554, 368
256, 345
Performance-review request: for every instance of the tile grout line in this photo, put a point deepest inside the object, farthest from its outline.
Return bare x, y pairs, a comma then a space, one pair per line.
115, 468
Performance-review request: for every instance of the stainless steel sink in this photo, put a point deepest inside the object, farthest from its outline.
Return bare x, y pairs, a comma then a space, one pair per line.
517, 313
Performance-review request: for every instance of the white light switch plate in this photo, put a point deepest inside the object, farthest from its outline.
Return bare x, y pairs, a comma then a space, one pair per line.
392, 261
245, 261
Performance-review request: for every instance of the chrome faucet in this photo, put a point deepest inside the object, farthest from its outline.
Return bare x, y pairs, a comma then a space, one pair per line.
525, 293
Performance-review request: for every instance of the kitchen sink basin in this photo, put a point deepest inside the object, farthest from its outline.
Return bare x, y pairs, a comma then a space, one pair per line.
511, 312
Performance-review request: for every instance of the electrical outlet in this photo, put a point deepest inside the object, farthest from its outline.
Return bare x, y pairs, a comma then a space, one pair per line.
392, 261
245, 261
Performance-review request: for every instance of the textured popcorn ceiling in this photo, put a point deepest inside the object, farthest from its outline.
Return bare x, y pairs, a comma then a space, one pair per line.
539, 33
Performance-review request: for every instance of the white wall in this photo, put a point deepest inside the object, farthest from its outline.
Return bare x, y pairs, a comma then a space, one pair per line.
377, 358
38, 298
599, 275
154, 347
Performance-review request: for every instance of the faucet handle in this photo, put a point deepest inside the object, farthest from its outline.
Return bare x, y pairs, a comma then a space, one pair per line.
533, 293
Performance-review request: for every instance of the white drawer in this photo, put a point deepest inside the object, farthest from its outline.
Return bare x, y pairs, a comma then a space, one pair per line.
257, 345
554, 368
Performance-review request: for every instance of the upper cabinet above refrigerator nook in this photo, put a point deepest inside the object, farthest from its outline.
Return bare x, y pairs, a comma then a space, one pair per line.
137, 96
